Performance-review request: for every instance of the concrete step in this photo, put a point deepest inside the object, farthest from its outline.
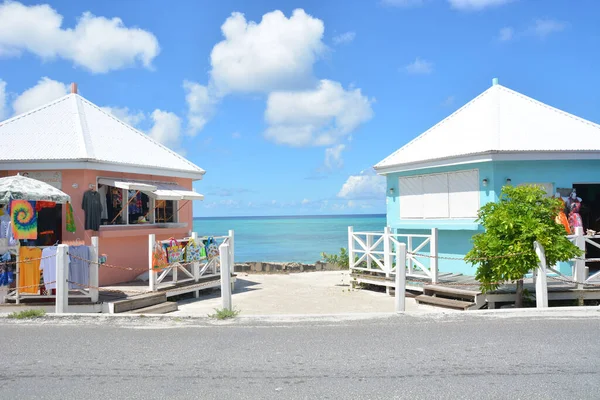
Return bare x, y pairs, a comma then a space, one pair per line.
162, 308
137, 302
443, 302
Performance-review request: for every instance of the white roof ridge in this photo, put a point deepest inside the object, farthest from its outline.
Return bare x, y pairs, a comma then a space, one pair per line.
32, 111
439, 124
551, 108
142, 134
82, 128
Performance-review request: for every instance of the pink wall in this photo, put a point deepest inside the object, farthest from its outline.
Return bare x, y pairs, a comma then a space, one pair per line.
124, 246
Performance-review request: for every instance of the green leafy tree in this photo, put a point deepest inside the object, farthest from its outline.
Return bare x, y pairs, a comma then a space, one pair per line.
504, 252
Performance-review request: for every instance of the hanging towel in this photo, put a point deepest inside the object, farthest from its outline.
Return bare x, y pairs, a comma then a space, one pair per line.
79, 270
70, 219
24, 219
29, 270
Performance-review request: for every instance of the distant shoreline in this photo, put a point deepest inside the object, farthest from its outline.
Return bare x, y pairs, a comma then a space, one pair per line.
295, 216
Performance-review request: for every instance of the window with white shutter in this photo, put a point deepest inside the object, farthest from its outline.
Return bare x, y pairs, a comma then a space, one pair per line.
411, 197
464, 194
440, 196
435, 196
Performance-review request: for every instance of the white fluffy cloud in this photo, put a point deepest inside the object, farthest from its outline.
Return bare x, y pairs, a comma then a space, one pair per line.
45, 91
366, 185
333, 156
546, 26
474, 5
201, 102
506, 34
3, 113
96, 43
124, 114
276, 54
319, 117
166, 128
419, 67
344, 38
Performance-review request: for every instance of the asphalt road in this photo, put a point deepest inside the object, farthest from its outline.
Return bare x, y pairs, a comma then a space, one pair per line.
418, 357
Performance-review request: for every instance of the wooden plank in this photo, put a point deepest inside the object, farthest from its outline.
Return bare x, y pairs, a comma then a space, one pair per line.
451, 290
141, 301
162, 308
440, 301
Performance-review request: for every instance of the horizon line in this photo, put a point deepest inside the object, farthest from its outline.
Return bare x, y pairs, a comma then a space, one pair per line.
292, 216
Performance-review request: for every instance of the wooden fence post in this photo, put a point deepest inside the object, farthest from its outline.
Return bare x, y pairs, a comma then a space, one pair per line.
400, 295
232, 250
225, 276
62, 276
580, 262
94, 267
541, 285
151, 274
433, 250
351, 247
196, 266
387, 254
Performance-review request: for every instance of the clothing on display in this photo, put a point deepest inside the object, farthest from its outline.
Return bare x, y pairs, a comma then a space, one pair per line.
93, 209
70, 220
39, 205
574, 216
7, 276
103, 191
23, 216
48, 267
29, 269
562, 219
79, 267
6, 231
135, 206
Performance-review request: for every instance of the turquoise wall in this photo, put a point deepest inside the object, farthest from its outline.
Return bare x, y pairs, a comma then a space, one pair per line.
454, 236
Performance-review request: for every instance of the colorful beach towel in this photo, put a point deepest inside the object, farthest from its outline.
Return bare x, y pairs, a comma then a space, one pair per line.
70, 219
24, 219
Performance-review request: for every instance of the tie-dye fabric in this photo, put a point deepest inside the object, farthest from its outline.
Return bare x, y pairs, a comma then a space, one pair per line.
24, 219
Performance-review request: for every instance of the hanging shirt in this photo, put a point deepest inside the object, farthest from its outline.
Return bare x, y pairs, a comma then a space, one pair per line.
29, 270
103, 191
79, 267
93, 209
23, 217
48, 266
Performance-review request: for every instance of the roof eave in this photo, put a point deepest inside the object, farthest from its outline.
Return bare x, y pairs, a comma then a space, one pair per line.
492, 155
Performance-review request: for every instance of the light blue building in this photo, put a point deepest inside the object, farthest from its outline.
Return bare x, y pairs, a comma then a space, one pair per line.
442, 177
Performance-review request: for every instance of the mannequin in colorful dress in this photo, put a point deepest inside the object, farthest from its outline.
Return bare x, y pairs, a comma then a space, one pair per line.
561, 218
574, 217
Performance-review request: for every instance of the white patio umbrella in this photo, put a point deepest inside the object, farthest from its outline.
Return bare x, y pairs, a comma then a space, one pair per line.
20, 187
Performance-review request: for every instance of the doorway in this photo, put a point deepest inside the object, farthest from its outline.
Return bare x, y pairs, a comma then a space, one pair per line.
590, 217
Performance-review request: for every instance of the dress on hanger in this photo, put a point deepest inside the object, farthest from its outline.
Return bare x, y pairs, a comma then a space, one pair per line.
93, 209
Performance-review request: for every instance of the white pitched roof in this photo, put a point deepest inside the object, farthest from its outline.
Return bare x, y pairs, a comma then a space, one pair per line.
72, 129
499, 120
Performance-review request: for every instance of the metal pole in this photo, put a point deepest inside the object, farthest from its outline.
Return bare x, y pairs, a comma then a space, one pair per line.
225, 276
400, 294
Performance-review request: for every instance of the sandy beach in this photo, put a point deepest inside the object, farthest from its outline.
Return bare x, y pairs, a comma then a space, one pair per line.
323, 292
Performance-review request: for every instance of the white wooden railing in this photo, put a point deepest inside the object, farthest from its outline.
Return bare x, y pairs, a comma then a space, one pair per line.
184, 272
580, 274
379, 252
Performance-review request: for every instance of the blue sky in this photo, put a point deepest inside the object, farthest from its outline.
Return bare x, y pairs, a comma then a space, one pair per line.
287, 105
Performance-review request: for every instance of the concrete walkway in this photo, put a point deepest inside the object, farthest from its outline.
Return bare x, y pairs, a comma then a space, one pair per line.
325, 292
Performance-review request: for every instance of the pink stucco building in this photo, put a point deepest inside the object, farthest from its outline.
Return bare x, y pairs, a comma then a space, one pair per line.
77, 146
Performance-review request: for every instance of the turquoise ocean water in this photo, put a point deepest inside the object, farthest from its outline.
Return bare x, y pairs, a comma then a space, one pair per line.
287, 239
